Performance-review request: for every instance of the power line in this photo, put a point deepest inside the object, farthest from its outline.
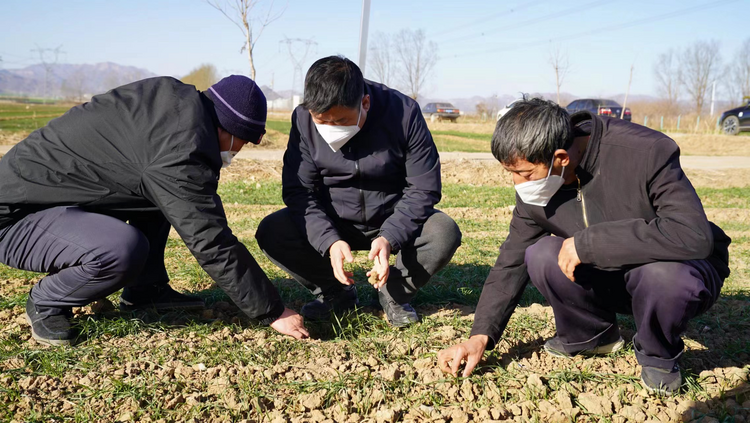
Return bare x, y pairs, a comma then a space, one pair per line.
555, 15
491, 17
599, 30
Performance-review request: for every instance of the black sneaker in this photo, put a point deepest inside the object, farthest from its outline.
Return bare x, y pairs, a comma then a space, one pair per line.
322, 307
554, 347
661, 381
160, 297
50, 330
399, 315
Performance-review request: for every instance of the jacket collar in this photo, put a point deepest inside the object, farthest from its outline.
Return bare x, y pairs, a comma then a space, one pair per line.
376, 108
593, 126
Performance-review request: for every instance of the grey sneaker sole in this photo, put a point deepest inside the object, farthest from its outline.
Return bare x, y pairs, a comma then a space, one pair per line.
600, 350
657, 391
45, 341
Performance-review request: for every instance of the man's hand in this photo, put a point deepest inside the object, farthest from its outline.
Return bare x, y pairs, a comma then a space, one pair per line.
470, 351
380, 253
568, 258
339, 252
292, 324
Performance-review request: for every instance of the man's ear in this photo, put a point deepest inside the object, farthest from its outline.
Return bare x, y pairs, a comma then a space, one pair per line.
562, 157
366, 102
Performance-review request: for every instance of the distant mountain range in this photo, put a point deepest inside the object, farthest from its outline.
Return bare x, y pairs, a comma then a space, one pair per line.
67, 80
80, 82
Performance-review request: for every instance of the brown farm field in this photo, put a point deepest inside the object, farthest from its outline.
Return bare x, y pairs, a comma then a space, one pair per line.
216, 366
468, 135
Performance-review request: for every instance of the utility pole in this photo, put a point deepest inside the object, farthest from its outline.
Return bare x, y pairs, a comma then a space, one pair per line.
298, 50
364, 27
48, 67
627, 92
713, 97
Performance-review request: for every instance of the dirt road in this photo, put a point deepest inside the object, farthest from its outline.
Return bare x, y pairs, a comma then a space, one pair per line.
688, 162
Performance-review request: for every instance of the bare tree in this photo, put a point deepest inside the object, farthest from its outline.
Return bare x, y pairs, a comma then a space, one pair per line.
700, 65
416, 59
739, 73
381, 62
202, 77
668, 76
558, 59
239, 12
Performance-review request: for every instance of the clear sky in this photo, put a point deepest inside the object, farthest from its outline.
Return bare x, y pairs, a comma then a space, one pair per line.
485, 46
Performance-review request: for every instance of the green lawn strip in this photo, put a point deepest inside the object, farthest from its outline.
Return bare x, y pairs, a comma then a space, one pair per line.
486, 138
447, 144
455, 195
725, 197
25, 125
11, 109
282, 126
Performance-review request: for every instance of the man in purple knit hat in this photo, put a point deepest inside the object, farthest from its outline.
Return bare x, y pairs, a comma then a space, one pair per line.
91, 197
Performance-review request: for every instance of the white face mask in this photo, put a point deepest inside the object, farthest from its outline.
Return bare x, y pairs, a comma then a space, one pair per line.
337, 136
227, 156
539, 192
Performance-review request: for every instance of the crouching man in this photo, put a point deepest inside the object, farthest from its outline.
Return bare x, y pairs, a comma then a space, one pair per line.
630, 236
91, 197
361, 172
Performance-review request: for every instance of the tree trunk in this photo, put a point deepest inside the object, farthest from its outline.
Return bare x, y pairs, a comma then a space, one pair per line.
249, 45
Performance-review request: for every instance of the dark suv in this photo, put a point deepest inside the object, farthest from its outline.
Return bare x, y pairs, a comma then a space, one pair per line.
599, 106
736, 120
440, 111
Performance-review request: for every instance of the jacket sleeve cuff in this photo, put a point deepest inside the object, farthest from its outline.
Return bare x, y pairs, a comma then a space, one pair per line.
395, 244
491, 338
272, 316
325, 245
582, 247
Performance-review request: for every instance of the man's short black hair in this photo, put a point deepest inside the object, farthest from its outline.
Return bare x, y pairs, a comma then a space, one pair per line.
333, 81
532, 130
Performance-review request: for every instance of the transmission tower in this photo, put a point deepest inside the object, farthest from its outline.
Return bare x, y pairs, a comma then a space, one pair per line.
46, 56
298, 49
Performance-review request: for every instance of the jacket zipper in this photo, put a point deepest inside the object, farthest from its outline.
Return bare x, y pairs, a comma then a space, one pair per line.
361, 193
582, 200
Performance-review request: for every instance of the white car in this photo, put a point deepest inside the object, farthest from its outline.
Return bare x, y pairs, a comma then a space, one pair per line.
507, 108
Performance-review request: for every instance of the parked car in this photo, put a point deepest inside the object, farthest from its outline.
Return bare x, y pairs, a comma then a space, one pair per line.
506, 109
599, 106
440, 111
736, 120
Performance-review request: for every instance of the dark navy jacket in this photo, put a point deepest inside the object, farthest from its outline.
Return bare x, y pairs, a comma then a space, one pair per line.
636, 206
386, 178
150, 145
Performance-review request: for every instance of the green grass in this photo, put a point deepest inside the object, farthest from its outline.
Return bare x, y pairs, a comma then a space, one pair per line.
282, 126
461, 141
468, 135
266, 372
15, 117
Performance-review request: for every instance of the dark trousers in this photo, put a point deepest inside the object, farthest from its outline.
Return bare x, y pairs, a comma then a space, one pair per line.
87, 256
661, 296
289, 249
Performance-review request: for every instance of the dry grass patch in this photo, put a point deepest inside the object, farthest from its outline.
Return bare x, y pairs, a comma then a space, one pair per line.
712, 145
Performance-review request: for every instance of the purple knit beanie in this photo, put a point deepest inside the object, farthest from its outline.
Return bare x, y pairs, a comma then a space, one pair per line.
240, 106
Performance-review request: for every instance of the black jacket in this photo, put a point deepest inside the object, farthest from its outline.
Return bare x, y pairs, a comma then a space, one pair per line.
639, 208
386, 177
150, 145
